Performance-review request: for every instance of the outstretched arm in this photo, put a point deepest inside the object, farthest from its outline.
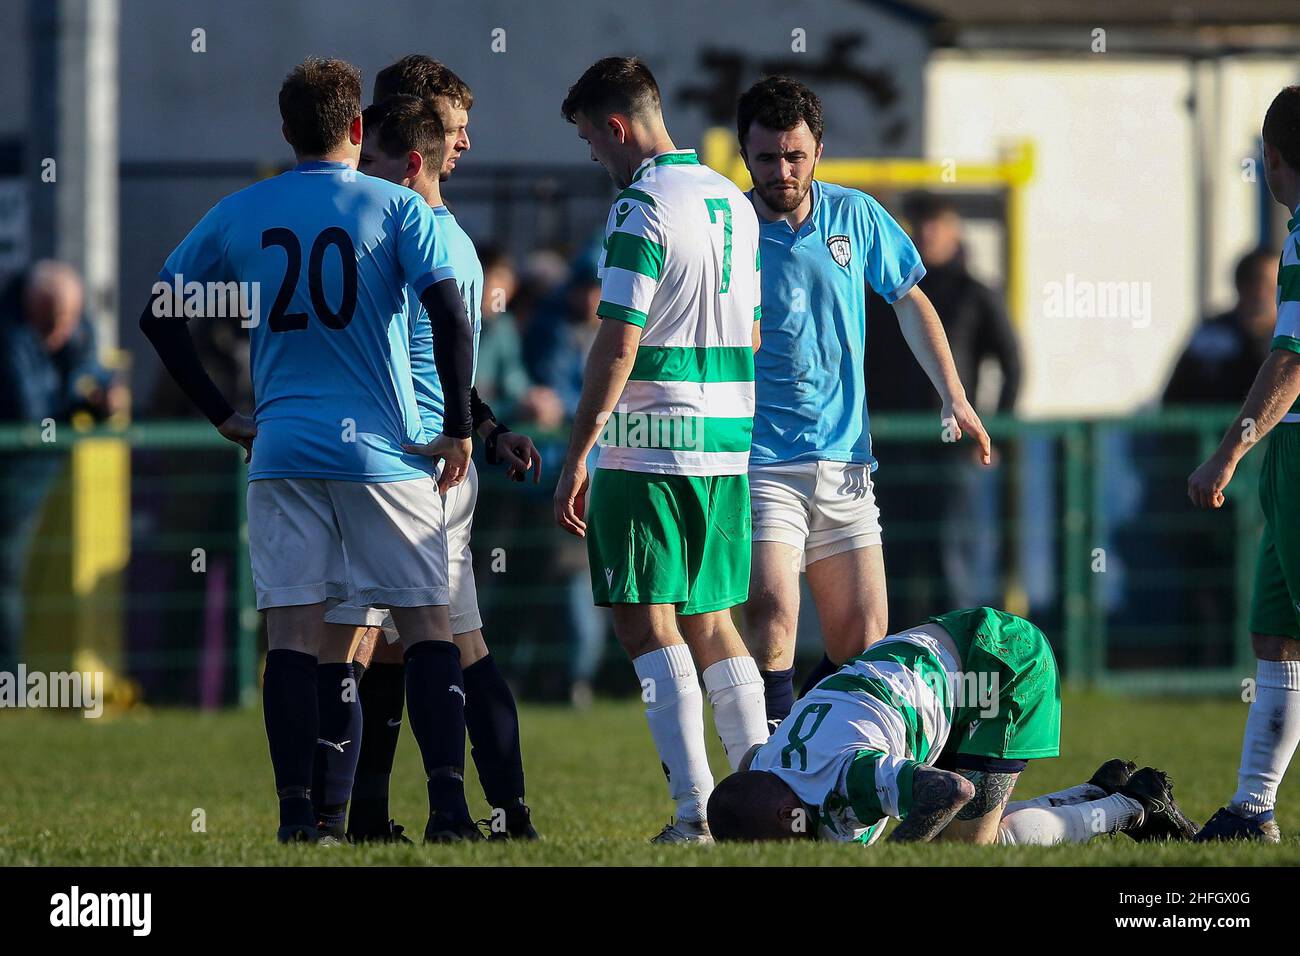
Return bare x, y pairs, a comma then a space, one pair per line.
925, 337
937, 796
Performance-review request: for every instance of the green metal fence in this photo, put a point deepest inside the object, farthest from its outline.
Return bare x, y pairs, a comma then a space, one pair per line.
1082, 525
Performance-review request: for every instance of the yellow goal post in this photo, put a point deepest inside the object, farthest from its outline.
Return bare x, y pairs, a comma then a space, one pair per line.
1008, 175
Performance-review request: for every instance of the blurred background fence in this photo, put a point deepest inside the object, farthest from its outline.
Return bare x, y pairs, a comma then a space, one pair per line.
139, 564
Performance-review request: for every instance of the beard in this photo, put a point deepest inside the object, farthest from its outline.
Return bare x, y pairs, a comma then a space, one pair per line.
784, 200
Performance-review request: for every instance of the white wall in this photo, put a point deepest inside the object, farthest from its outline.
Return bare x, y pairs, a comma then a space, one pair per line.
1246, 88
1111, 202
221, 104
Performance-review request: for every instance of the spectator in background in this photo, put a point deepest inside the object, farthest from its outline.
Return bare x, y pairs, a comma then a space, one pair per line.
49, 371
502, 376
556, 346
543, 272
561, 333
980, 336
1217, 367
973, 317
50, 365
1225, 352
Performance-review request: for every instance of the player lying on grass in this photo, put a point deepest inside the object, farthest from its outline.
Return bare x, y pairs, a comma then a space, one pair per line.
975, 689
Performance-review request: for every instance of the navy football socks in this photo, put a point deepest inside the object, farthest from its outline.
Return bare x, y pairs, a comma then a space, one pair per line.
778, 693
435, 701
289, 709
383, 696
492, 721
338, 743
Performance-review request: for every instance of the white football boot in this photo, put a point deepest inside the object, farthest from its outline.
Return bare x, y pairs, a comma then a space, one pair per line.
684, 831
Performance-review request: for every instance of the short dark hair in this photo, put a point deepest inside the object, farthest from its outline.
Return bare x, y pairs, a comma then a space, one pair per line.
403, 123
615, 84
491, 255
319, 99
779, 103
1251, 262
418, 75
925, 207
755, 805
1282, 125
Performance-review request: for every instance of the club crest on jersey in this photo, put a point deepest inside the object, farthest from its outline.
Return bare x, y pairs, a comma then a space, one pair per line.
840, 249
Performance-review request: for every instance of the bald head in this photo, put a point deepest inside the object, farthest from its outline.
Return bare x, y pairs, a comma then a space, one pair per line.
53, 301
756, 805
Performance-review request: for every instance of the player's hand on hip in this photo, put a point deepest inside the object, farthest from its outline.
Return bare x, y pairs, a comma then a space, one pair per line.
241, 430
571, 500
452, 452
520, 455
1206, 484
960, 416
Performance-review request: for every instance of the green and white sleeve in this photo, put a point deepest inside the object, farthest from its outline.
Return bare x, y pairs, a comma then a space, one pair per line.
633, 259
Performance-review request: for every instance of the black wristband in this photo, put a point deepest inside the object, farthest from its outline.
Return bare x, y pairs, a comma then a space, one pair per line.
490, 444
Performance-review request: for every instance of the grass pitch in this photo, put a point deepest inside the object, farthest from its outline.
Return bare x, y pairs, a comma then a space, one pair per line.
131, 790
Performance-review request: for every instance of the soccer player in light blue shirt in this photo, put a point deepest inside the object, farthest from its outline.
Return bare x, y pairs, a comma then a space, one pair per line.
415, 132
326, 256
821, 246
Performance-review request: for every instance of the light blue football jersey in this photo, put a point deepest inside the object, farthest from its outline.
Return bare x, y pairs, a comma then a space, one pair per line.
459, 249
810, 379
332, 253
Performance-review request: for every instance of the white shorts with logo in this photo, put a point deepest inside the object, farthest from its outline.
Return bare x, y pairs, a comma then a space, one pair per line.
314, 539
823, 508
457, 511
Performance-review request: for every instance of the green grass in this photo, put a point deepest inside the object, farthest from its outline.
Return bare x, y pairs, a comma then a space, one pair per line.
121, 792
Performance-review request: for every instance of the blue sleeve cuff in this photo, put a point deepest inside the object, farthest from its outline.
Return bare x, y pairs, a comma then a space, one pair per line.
906, 286
437, 275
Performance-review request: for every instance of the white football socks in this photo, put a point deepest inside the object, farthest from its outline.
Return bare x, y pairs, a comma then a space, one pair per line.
1272, 731
675, 712
1070, 823
735, 691
1080, 793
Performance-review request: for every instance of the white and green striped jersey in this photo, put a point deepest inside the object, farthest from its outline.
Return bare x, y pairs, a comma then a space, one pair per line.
1286, 335
850, 746
681, 261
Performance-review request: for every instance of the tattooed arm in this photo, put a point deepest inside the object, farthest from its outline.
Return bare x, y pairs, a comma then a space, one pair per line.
978, 821
937, 796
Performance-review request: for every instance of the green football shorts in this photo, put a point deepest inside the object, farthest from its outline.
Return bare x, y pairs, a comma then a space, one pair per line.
669, 539
1024, 721
1275, 604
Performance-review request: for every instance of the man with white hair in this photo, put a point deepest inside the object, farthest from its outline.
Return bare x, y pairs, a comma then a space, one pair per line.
48, 371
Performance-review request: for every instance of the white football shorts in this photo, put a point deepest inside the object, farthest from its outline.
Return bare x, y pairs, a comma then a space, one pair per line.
315, 539
457, 510
823, 508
